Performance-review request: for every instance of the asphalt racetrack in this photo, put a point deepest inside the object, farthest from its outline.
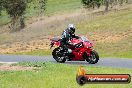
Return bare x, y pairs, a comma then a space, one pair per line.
105, 62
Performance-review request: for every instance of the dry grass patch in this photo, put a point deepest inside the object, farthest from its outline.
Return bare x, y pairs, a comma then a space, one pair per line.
10, 67
41, 44
109, 37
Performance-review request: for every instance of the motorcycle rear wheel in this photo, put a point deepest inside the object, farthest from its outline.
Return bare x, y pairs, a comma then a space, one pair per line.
57, 55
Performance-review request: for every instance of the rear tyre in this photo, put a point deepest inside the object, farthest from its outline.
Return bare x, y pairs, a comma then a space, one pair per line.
94, 58
58, 56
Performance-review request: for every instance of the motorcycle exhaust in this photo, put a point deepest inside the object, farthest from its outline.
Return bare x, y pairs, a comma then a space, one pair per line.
51, 45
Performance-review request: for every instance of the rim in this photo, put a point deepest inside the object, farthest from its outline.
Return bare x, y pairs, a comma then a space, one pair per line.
93, 58
59, 55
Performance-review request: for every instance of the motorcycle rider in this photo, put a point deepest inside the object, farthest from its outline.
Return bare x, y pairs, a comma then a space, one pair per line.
67, 35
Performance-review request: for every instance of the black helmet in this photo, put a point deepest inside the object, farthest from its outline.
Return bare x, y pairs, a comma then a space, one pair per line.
71, 28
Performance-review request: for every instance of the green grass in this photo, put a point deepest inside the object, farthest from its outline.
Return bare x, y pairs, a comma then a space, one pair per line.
119, 55
4, 19
53, 7
1, 64
114, 23
56, 76
120, 49
5, 38
62, 6
36, 52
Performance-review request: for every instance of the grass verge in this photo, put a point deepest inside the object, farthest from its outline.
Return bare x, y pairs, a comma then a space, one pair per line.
119, 55
53, 75
36, 52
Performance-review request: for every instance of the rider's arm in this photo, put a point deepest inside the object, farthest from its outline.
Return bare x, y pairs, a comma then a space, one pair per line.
70, 43
77, 37
74, 36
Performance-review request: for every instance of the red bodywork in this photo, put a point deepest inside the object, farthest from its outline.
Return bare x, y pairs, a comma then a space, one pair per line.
77, 52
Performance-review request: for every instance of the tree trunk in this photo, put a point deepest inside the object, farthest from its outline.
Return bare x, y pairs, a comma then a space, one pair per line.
126, 1
121, 2
106, 5
22, 23
17, 24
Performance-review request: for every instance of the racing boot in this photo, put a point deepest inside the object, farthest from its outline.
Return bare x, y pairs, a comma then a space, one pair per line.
69, 52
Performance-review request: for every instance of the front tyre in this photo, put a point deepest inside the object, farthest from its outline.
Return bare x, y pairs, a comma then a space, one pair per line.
58, 55
93, 58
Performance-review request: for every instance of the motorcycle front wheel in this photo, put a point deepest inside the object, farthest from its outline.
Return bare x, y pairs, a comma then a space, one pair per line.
93, 58
58, 55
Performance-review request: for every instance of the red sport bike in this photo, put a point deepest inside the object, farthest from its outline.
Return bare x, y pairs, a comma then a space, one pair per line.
81, 51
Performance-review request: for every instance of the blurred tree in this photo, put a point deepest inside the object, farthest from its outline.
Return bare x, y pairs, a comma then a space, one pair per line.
91, 3
121, 2
98, 3
106, 5
42, 4
1, 6
16, 10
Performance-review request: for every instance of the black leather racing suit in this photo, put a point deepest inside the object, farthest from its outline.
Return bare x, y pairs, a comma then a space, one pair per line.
66, 36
